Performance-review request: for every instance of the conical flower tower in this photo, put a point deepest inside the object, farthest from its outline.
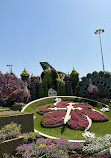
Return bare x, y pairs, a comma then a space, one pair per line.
25, 75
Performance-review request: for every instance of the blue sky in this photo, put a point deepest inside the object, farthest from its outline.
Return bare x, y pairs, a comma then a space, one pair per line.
60, 32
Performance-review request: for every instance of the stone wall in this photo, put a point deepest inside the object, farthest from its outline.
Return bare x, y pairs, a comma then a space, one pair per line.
9, 146
26, 120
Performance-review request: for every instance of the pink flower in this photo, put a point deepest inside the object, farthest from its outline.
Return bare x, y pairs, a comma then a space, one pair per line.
78, 119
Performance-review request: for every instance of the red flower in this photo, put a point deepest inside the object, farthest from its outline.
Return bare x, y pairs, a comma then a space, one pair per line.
78, 119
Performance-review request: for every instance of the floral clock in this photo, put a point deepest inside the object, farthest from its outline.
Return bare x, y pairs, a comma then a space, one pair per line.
74, 115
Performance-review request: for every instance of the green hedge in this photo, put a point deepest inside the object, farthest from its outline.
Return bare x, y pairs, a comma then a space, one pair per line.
41, 92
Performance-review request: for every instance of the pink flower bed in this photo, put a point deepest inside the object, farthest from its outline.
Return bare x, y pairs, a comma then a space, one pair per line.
52, 118
95, 115
45, 109
78, 119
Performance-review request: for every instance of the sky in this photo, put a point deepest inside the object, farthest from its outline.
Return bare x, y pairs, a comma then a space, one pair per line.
60, 32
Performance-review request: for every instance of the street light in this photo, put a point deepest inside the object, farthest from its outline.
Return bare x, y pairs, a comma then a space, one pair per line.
99, 32
10, 68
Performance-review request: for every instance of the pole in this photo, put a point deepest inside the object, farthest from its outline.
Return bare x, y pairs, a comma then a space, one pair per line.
101, 51
10, 68
99, 32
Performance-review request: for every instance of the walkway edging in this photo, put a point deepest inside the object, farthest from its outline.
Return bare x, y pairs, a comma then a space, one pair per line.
45, 135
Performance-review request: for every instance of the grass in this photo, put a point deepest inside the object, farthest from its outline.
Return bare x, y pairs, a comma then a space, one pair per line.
102, 128
61, 131
9, 113
99, 128
4, 108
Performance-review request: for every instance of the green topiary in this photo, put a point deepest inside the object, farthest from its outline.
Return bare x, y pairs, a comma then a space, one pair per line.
88, 75
102, 80
60, 87
41, 90
74, 79
46, 91
104, 93
107, 75
101, 73
25, 73
47, 79
95, 74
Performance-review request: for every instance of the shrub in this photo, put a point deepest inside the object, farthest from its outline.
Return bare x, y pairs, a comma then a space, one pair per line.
20, 104
10, 131
8, 84
30, 137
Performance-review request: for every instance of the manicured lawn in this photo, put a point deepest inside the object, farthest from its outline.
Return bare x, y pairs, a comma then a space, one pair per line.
99, 128
61, 131
102, 128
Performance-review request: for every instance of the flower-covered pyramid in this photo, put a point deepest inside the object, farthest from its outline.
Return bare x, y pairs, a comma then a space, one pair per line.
75, 115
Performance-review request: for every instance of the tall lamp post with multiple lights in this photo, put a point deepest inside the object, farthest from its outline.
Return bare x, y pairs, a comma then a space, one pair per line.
10, 68
99, 32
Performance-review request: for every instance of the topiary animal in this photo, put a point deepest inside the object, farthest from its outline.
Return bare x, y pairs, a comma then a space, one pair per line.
93, 90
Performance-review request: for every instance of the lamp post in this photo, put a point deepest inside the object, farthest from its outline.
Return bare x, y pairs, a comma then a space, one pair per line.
99, 32
10, 68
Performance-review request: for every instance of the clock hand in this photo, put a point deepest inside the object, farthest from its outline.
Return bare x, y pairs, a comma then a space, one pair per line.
69, 108
55, 108
67, 116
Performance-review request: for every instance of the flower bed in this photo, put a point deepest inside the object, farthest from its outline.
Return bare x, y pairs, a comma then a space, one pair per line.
97, 144
59, 148
9, 131
30, 137
54, 115
52, 118
43, 110
78, 121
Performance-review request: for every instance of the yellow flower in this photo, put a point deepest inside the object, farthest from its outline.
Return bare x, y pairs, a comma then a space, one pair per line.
41, 144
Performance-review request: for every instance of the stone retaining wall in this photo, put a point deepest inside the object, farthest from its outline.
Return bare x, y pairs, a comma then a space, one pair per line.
26, 120
9, 146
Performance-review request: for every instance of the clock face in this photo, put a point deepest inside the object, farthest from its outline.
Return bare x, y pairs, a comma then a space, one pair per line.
74, 115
